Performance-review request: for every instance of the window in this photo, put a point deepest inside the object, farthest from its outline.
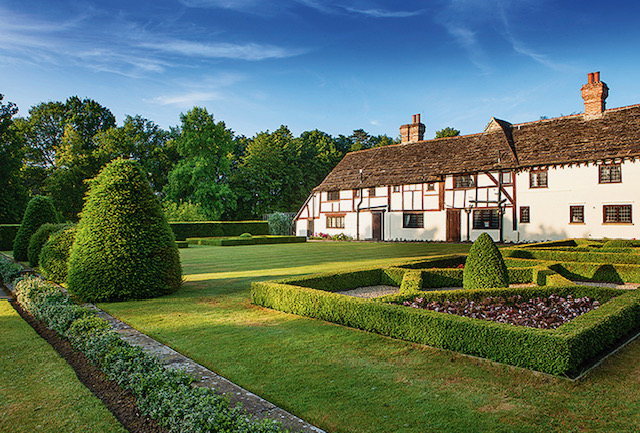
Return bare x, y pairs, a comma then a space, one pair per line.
506, 178
413, 220
356, 193
576, 214
610, 173
619, 213
538, 179
372, 192
335, 221
486, 219
431, 186
333, 195
464, 181
525, 214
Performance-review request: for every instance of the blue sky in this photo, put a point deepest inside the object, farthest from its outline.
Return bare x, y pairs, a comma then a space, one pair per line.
334, 65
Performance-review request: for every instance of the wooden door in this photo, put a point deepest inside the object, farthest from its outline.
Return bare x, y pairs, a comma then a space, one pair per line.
453, 225
377, 226
309, 227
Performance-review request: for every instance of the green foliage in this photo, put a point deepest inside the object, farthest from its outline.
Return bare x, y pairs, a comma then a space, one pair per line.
55, 255
447, 132
14, 194
246, 240
163, 394
602, 256
185, 211
411, 282
124, 248
561, 351
245, 235
9, 270
618, 243
8, 233
40, 210
39, 238
341, 281
434, 278
280, 224
614, 273
208, 229
484, 267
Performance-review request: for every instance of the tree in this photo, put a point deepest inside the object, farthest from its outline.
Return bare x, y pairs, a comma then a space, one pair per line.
202, 174
484, 267
447, 132
13, 194
124, 248
39, 211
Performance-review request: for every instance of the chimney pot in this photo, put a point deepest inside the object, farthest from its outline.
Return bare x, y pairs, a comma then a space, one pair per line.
590, 78
594, 93
417, 118
596, 77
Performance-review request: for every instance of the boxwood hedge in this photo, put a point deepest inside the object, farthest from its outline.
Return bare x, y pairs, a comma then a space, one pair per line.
39, 238
246, 240
39, 211
484, 266
55, 255
202, 229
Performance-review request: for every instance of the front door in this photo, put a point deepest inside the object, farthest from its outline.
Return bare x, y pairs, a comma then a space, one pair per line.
377, 226
309, 227
453, 225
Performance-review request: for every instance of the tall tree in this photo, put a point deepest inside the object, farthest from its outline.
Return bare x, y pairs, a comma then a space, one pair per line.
202, 174
447, 132
13, 197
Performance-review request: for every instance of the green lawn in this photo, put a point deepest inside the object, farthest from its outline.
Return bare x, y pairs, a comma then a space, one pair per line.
346, 380
38, 390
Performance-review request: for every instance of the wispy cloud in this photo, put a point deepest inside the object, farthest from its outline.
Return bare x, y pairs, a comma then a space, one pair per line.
186, 100
381, 13
250, 51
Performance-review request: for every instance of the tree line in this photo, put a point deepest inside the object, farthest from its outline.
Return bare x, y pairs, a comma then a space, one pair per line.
198, 168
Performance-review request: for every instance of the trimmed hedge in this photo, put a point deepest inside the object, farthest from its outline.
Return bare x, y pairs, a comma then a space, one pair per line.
449, 261
341, 281
560, 243
207, 229
595, 256
484, 266
411, 282
39, 211
617, 243
8, 233
39, 238
559, 351
621, 273
246, 240
124, 248
55, 255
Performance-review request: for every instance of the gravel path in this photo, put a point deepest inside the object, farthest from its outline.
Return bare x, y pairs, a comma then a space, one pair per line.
382, 290
626, 286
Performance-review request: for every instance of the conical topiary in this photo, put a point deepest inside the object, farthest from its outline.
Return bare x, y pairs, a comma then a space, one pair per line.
39, 238
55, 255
484, 267
124, 248
40, 210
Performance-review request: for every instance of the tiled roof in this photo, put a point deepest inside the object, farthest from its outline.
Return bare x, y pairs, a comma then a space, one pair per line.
578, 138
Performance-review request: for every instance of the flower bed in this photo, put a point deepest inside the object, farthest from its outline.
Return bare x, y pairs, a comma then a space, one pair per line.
540, 312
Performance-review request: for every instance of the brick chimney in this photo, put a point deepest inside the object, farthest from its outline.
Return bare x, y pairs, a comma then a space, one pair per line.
412, 132
594, 93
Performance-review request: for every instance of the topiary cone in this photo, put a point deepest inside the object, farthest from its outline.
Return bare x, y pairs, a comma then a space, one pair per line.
484, 267
124, 248
40, 210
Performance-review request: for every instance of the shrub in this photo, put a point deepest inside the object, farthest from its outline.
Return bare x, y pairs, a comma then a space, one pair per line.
618, 243
246, 235
7, 235
55, 255
280, 224
484, 267
185, 211
9, 270
39, 238
40, 210
124, 248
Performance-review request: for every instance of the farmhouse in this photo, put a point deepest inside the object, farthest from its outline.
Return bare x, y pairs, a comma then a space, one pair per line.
571, 176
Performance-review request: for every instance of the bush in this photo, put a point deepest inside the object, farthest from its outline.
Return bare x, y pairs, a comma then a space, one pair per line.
55, 255
484, 267
280, 224
40, 210
245, 235
39, 238
207, 229
124, 248
185, 211
9, 270
595, 256
618, 243
8, 233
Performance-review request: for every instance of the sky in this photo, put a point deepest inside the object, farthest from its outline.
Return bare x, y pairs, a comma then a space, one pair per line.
334, 65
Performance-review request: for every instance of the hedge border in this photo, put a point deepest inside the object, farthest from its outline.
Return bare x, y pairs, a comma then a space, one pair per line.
559, 352
184, 230
239, 241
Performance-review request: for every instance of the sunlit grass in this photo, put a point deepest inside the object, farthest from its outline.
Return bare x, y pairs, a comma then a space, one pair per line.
38, 390
347, 380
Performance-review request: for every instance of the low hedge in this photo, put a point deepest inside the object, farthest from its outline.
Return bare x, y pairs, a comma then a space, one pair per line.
163, 394
559, 351
341, 281
613, 273
55, 255
246, 240
599, 256
9, 269
450, 261
182, 244
39, 238
184, 230
8, 233
412, 281
560, 243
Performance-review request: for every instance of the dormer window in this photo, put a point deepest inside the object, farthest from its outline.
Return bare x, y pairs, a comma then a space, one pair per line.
538, 179
610, 173
464, 181
333, 195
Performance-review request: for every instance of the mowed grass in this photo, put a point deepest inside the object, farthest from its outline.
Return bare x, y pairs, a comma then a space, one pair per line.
347, 380
39, 392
